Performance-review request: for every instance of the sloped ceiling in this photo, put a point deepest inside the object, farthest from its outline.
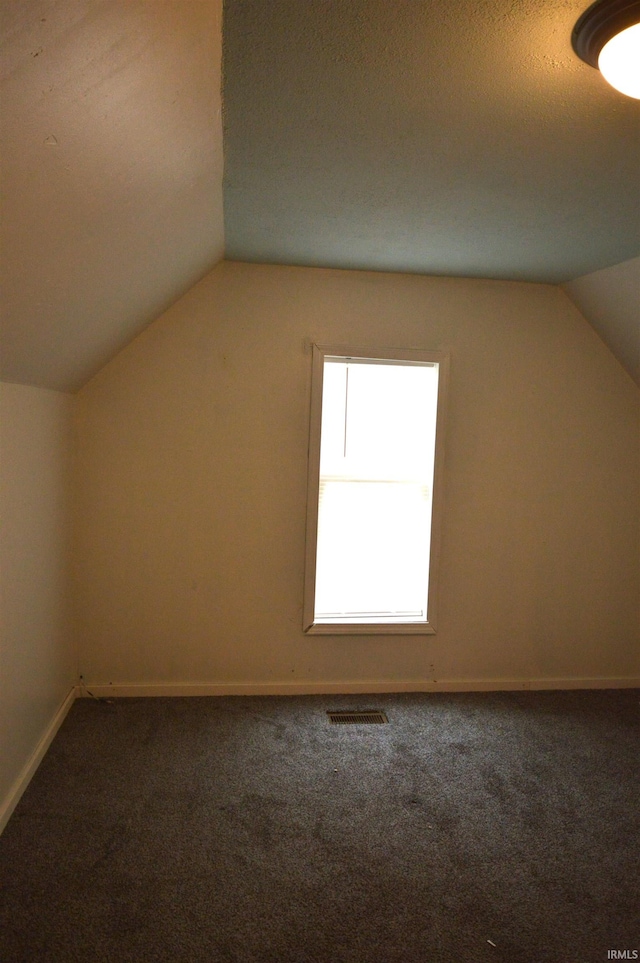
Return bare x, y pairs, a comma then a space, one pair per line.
457, 137
610, 301
111, 175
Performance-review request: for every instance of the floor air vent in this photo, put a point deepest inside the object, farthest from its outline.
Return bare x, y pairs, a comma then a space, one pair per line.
356, 718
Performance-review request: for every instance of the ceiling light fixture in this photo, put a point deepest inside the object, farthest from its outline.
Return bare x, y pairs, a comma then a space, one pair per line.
607, 36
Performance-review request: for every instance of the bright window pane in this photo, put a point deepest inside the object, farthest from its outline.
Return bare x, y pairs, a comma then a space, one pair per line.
376, 483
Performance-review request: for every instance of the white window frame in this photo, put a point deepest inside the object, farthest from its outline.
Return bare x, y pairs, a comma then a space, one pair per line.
320, 352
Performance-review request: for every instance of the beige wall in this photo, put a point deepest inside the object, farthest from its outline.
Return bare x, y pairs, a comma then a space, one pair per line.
37, 657
192, 480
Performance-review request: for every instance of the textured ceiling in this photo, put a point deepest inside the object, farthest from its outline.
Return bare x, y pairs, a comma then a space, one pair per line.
457, 137
111, 174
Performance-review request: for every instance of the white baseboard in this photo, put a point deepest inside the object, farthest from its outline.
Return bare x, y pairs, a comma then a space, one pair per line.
119, 690
23, 780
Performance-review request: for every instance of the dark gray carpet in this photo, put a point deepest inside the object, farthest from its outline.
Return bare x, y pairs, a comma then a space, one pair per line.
249, 829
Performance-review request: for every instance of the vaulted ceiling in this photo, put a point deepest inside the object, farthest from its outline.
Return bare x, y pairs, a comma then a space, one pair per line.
456, 137
111, 175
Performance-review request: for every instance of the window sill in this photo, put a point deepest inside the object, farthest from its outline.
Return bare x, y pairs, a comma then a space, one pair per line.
372, 628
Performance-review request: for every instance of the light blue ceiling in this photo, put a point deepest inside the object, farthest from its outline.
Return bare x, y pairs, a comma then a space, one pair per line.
457, 137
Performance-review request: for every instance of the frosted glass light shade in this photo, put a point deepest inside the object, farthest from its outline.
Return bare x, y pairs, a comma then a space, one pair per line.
619, 61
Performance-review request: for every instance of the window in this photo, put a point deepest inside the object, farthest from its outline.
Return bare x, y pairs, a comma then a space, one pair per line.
375, 466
